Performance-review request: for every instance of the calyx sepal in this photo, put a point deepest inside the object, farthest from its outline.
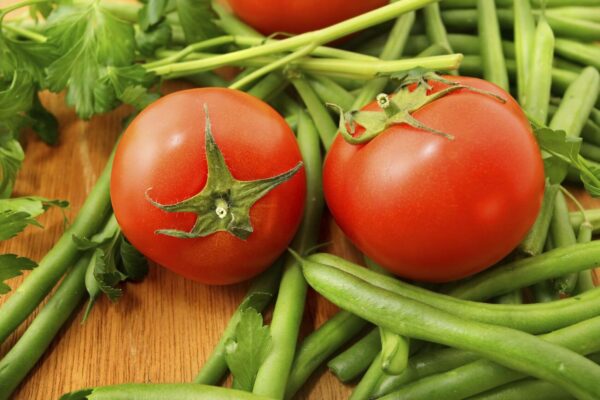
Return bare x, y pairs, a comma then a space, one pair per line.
224, 203
398, 108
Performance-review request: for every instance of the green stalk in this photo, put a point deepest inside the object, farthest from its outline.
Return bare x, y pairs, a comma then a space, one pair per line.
319, 346
524, 32
30, 347
392, 50
259, 296
539, 78
357, 358
273, 374
232, 25
316, 38
494, 66
436, 31
53, 266
268, 87
450, 4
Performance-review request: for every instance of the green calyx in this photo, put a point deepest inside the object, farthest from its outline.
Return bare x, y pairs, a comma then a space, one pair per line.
224, 203
398, 109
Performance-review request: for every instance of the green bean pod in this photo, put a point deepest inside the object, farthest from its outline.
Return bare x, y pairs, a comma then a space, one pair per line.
583, 53
320, 345
585, 281
482, 375
273, 374
524, 32
563, 236
436, 31
329, 91
532, 318
367, 384
494, 65
539, 78
394, 352
526, 272
357, 358
533, 244
511, 348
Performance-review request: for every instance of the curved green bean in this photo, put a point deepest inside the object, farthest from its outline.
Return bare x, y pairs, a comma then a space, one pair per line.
357, 358
532, 318
511, 348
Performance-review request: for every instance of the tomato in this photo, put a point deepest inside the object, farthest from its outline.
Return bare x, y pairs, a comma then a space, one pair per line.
299, 16
433, 209
161, 159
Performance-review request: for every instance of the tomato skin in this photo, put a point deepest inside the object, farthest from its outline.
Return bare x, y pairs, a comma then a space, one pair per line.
162, 152
299, 16
431, 209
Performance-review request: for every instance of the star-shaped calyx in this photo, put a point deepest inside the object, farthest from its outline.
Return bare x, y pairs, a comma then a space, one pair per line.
224, 203
398, 109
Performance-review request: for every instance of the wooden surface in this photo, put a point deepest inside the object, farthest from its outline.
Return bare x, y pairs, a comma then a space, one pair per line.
162, 329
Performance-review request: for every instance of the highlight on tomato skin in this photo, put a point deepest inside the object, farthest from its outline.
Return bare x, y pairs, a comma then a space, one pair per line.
433, 209
293, 16
161, 161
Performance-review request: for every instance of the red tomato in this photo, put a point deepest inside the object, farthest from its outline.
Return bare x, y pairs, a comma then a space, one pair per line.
299, 16
433, 209
162, 153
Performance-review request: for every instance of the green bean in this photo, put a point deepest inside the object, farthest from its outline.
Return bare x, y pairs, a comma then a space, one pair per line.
207, 79
367, 384
524, 32
591, 133
586, 13
568, 65
269, 87
54, 265
532, 318
511, 348
586, 54
577, 103
322, 119
539, 79
494, 65
592, 215
563, 236
585, 282
162, 391
525, 272
394, 352
329, 91
466, 21
232, 25
533, 244
357, 358
392, 49
259, 296
436, 31
272, 376
590, 151
433, 50
423, 365
507, 3
515, 297
22, 357
482, 375
320, 345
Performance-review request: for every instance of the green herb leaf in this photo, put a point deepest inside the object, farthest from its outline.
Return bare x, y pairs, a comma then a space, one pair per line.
247, 349
11, 158
197, 20
12, 266
135, 265
155, 37
152, 13
43, 123
78, 395
16, 98
97, 56
33, 205
13, 223
106, 273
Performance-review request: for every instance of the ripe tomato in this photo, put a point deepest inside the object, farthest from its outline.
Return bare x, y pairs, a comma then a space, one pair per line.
299, 16
162, 158
433, 209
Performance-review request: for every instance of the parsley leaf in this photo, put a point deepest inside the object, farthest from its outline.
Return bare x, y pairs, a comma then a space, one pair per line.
134, 263
197, 20
11, 158
152, 13
247, 349
17, 213
43, 123
16, 98
153, 38
12, 266
98, 51
559, 151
